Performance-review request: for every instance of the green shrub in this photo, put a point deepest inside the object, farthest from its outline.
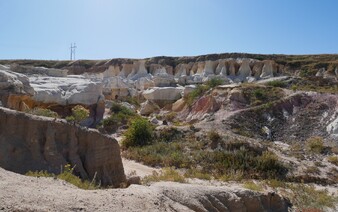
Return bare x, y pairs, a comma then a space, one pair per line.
43, 112
79, 113
140, 133
118, 108
333, 160
277, 83
198, 92
167, 174
214, 82
306, 197
120, 116
214, 136
252, 186
315, 144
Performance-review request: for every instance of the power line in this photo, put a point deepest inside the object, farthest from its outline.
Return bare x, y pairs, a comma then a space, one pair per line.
72, 51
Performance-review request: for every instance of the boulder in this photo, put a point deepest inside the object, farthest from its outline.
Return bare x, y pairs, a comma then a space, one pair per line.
66, 90
12, 82
163, 93
115, 87
144, 83
148, 107
33, 143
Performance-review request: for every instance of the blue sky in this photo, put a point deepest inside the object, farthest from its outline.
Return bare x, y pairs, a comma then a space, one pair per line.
102, 29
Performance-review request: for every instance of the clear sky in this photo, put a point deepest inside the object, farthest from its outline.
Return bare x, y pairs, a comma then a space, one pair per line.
102, 29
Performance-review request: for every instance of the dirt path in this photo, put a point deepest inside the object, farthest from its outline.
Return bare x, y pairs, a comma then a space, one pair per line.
137, 168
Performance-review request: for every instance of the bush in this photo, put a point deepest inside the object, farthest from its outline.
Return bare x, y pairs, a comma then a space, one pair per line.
333, 160
118, 108
252, 186
315, 144
214, 82
43, 112
306, 197
214, 136
277, 83
79, 113
168, 174
140, 133
199, 91
120, 116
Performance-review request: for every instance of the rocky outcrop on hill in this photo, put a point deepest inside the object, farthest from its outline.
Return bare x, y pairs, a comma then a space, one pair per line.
30, 143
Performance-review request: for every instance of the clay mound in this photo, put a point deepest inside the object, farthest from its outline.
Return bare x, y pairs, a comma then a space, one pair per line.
31, 143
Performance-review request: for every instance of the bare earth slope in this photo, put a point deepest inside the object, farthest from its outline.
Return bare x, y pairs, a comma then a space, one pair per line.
22, 193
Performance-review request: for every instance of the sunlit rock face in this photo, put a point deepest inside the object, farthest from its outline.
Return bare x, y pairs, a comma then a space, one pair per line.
66, 90
244, 70
269, 69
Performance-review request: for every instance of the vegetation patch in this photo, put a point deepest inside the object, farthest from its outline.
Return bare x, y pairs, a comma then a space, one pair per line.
139, 133
68, 176
120, 116
43, 112
79, 113
167, 174
200, 160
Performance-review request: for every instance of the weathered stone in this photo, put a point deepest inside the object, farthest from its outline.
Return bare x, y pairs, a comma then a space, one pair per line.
32, 143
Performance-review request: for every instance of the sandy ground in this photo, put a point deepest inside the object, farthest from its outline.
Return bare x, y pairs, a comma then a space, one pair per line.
132, 167
23, 193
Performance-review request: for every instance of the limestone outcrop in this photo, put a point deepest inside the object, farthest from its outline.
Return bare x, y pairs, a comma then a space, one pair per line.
31, 143
163, 95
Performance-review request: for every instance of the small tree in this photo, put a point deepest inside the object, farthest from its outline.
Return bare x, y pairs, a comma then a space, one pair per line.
140, 133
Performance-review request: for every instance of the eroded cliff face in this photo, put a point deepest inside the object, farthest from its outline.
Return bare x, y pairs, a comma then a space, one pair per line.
30, 143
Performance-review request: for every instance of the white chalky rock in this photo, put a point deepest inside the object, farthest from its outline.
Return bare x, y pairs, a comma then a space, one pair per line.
14, 82
112, 71
244, 70
164, 93
66, 90
268, 69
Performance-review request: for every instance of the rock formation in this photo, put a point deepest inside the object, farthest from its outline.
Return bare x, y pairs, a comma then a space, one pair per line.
31, 143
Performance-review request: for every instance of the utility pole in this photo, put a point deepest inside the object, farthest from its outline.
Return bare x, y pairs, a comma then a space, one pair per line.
72, 51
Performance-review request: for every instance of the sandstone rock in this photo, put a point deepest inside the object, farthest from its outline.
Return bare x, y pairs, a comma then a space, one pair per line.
170, 94
12, 82
257, 69
115, 87
178, 105
203, 106
209, 68
232, 68
269, 69
31, 143
181, 70
126, 70
66, 90
221, 67
320, 72
162, 78
244, 70
144, 83
148, 107
112, 71
139, 70
236, 95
